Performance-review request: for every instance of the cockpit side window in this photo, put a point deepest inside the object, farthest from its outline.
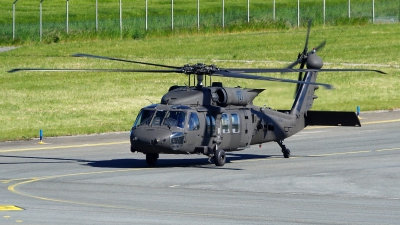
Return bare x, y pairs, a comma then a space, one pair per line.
175, 119
194, 123
158, 118
144, 117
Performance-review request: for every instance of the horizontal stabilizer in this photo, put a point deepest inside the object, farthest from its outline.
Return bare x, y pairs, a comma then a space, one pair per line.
332, 118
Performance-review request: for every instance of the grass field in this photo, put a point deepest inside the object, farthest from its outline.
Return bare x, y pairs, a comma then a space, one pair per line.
81, 103
82, 24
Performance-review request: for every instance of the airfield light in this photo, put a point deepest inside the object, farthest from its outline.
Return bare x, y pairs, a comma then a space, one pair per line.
41, 137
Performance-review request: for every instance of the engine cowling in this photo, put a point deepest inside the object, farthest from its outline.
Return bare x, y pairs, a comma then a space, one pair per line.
234, 96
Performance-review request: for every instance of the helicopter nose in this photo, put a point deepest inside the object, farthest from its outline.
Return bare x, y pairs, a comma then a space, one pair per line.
156, 140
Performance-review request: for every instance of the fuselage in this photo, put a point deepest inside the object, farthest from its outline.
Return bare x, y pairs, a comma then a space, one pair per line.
223, 118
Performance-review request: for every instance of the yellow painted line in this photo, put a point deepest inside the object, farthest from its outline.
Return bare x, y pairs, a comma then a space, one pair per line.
31, 180
342, 153
319, 155
254, 160
67, 175
262, 159
10, 208
12, 189
63, 147
387, 149
381, 121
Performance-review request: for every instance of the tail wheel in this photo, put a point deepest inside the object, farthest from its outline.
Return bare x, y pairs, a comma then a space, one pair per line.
151, 158
286, 153
219, 157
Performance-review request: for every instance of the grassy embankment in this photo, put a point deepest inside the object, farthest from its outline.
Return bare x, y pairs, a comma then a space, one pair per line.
81, 103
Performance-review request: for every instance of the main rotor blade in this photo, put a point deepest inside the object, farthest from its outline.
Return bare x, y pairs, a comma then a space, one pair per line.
179, 70
123, 60
255, 77
94, 70
288, 70
348, 70
293, 64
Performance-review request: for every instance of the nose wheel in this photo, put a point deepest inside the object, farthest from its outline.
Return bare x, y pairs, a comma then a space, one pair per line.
151, 158
285, 151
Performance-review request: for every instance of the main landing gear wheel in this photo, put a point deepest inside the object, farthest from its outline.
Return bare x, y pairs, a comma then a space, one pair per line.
285, 151
151, 158
219, 157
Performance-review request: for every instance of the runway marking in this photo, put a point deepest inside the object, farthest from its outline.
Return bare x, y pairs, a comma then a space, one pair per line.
381, 121
387, 149
12, 189
262, 159
318, 155
356, 152
341, 153
64, 146
10, 208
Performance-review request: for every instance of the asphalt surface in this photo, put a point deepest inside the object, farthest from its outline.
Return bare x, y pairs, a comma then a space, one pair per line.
336, 175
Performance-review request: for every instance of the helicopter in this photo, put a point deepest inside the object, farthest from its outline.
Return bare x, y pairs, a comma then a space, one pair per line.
214, 119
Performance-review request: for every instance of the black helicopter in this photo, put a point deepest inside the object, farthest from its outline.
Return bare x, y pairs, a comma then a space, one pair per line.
213, 119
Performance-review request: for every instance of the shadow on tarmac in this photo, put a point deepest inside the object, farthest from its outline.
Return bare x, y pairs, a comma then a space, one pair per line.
136, 163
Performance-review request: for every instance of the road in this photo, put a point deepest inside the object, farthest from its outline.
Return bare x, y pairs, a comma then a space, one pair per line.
336, 175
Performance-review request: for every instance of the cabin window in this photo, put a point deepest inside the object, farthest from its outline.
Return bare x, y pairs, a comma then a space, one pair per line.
175, 119
235, 123
194, 123
158, 118
210, 129
225, 123
144, 117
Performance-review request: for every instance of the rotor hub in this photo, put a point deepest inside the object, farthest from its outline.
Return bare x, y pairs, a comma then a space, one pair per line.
314, 61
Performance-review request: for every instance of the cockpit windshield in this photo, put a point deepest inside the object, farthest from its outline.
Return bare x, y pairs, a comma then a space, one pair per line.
158, 118
175, 119
144, 117
161, 118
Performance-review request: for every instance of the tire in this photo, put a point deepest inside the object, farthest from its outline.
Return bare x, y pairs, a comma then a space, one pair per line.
219, 157
151, 158
286, 153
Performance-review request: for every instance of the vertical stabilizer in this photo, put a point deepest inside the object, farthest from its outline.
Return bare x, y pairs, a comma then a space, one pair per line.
305, 95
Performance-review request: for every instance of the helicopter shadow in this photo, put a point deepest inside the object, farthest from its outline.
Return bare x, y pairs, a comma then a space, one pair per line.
126, 163
161, 163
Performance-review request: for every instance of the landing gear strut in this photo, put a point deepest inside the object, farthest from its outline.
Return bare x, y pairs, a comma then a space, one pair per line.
151, 158
285, 151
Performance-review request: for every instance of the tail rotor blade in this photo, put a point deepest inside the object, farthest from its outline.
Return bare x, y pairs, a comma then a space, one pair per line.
320, 46
308, 35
